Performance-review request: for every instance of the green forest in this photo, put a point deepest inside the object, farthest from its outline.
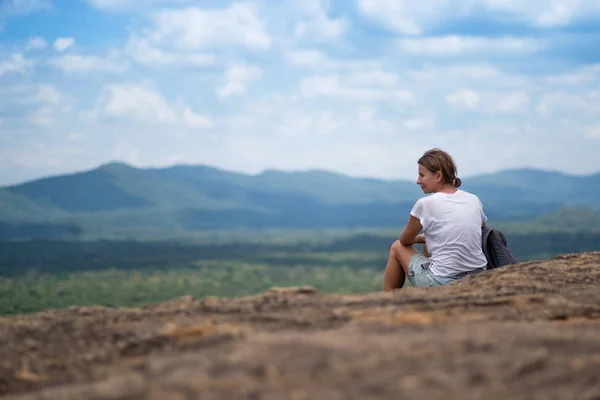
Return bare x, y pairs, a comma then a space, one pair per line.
43, 274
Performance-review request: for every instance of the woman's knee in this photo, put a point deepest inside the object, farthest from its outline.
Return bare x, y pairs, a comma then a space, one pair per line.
399, 248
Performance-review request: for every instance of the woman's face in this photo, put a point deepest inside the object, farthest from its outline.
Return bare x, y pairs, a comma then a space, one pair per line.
428, 181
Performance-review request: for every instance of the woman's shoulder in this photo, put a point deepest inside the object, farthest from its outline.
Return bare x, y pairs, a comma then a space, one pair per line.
472, 197
469, 194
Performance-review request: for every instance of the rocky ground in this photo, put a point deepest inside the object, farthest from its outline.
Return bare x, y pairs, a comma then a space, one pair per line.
527, 331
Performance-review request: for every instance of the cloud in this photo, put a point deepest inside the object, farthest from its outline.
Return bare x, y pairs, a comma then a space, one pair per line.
419, 124
316, 59
46, 104
580, 76
193, 28
592, 132
321, 124
126, 152
43, 94
544, 13
75, 136
36, 43
454, 45
74, 63
464, 99
130, 5
373, 78
317, 26
348, 87
493, 102
43, 117
135, 102
110, 4
368, 119
62, 44
143, 52
416, 18
403, 16
196, 120
515, 102
16, 63
554, 103
237, 78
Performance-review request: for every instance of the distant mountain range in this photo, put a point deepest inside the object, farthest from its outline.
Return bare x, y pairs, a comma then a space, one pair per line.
118, 200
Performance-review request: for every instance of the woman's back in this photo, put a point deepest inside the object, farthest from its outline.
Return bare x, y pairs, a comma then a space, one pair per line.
452, 224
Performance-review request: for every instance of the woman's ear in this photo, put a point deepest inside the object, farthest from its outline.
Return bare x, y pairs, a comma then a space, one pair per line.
439, 176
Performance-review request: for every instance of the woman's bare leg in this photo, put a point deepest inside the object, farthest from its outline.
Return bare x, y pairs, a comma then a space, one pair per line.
397, 265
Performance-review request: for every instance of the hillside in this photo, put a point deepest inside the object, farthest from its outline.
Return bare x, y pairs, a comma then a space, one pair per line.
117, 200
525, 331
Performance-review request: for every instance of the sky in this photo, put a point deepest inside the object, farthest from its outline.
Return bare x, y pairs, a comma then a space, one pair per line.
359, 87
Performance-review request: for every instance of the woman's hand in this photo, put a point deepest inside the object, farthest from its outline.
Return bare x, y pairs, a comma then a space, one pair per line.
420, 238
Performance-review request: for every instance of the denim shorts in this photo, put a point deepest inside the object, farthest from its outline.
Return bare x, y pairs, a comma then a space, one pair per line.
420, 275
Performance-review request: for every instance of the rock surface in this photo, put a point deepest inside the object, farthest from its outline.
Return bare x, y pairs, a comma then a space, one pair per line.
527, 331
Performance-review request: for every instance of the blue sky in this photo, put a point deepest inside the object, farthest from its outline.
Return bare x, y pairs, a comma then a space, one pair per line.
360, 87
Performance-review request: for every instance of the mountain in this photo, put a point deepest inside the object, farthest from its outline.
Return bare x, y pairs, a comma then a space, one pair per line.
118, 199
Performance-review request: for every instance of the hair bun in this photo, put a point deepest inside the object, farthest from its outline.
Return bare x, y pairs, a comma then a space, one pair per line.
457, 182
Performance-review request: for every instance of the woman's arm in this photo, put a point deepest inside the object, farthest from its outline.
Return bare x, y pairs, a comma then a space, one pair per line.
426, 252
410, 234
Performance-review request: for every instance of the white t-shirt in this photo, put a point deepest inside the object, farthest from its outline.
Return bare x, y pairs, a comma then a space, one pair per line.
452, 226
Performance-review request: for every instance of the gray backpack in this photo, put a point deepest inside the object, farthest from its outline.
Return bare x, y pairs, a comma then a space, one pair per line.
495, 248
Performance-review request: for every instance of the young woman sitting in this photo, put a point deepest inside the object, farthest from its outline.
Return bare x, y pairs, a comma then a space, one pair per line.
451, 220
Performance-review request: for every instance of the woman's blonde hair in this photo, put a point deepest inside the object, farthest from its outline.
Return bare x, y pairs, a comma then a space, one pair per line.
438, 160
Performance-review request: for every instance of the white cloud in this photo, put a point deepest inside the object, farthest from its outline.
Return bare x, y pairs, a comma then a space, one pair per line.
46, 104
592, 132
582, 75
453, 45
62, 44
146, 54
306, 57
130, 5
237, 78
196, 120
456, 72
75, 136
44, 94
368, 119
334, 85
544, 13
110, 4
464, 99
317, 26
127, 153
36, 43
316, 59
418, 124
134, 101
401, 15
321, 124
74, 63
512, 103
414, 18
193, 29
43, 117
16, 63
559, 102
373, 78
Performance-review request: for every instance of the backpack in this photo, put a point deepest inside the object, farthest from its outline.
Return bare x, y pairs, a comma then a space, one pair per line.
495, 248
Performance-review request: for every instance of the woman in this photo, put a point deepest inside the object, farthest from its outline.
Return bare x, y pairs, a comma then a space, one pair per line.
451, 220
